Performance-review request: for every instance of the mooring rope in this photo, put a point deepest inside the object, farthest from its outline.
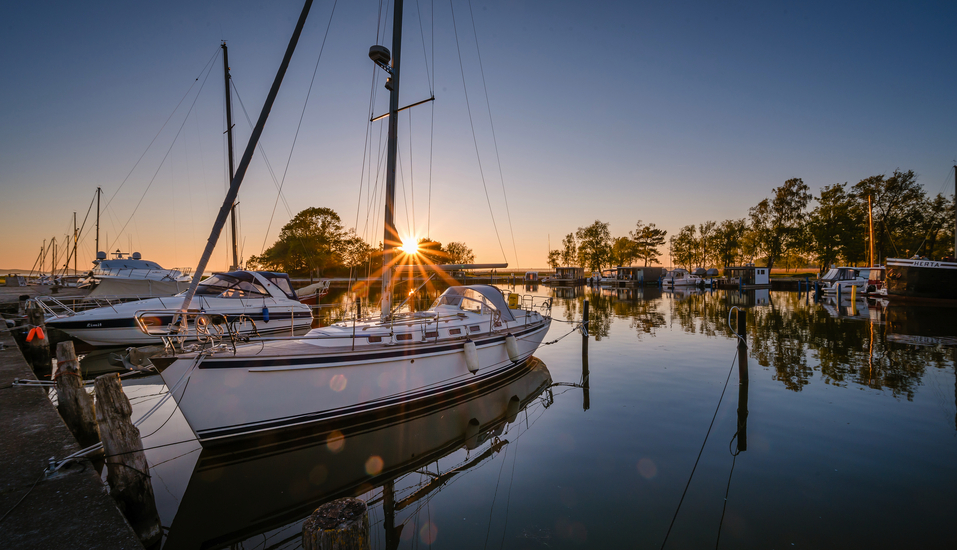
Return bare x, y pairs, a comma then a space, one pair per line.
701, 451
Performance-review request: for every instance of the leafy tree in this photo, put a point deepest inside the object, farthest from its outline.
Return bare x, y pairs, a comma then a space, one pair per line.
778, 222
594, 245
835, 227
726, 241
569, 250
623, 251
431, 251
554, 258
705, 238
458, 253
936, 227
647, 240
355, 251
312, 240
897, 204
684, 247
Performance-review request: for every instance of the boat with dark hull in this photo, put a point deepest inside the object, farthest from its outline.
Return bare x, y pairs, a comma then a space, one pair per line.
921, 278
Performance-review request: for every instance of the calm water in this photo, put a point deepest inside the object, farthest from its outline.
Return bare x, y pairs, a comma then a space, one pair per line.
851, 440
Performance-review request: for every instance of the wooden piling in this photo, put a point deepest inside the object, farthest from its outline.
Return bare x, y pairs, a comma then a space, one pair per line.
585, 318
743, 380
73, 402
36, 350
127, 469
342, 524
743, 346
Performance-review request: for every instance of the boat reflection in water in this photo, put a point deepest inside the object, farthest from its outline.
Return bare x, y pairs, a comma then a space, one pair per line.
267, 490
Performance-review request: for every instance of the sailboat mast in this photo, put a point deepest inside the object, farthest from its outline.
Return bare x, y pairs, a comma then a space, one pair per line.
99, 192
955, 210
870, 229
391, 237
237, 179
229, 148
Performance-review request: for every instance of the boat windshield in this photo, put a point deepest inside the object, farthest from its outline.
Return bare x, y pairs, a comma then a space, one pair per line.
282, 281
832, 274
231, 286
475, 298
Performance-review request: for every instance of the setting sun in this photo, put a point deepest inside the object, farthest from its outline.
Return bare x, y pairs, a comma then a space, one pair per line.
409, 246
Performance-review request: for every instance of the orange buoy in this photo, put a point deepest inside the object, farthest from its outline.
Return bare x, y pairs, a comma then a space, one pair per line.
33, 332
40, 333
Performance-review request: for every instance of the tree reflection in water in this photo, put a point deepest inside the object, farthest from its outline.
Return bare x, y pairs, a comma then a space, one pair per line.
869, 343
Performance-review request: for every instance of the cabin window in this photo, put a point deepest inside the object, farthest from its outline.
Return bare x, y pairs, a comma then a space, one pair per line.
432, 334
475, 328
375, 339
403, 336
453, 331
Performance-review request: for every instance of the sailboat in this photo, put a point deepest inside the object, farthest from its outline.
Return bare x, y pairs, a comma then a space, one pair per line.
361, 369
258, 303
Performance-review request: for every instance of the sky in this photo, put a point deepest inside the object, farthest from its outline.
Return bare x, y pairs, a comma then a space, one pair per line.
671, 113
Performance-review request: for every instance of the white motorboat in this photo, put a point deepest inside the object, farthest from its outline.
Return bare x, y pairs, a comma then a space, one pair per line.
255, 302
867, 280
360, 367
682, 277
129, 267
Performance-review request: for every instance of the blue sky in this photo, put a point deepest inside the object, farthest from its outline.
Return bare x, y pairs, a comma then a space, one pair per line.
672, 113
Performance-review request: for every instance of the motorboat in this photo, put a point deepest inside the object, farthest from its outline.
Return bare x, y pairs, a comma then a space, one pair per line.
126, 273
866, 280
311, 294
682, 277
358, 367
254, 302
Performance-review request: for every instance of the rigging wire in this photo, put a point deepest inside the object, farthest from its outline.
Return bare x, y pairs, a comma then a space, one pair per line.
498, 158
206, 70
474, 137
168, 151
302, 115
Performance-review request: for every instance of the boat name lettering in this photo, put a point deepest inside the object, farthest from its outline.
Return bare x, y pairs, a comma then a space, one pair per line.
926, 264
94, 325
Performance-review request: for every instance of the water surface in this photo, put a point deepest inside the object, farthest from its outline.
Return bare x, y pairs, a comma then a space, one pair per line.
850, 439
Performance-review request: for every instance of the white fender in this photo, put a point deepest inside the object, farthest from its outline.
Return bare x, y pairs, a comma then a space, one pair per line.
511, 346
471, 356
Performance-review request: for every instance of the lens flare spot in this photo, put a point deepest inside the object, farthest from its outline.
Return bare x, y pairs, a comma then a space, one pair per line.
338, 382
428, 533
335, 441
318, 475
374, 465
647, 468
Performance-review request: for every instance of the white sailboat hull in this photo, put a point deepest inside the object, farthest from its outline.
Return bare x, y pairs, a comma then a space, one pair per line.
230, 396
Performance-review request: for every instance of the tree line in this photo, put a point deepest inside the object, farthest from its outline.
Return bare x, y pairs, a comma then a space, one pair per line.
785, 229
314, 242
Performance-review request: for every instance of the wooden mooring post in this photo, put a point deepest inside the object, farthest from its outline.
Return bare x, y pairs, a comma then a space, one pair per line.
743, 380
127, 469
73, 402
36, 347
342, 524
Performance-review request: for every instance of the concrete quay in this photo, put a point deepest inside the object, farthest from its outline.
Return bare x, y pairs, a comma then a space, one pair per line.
69, 509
